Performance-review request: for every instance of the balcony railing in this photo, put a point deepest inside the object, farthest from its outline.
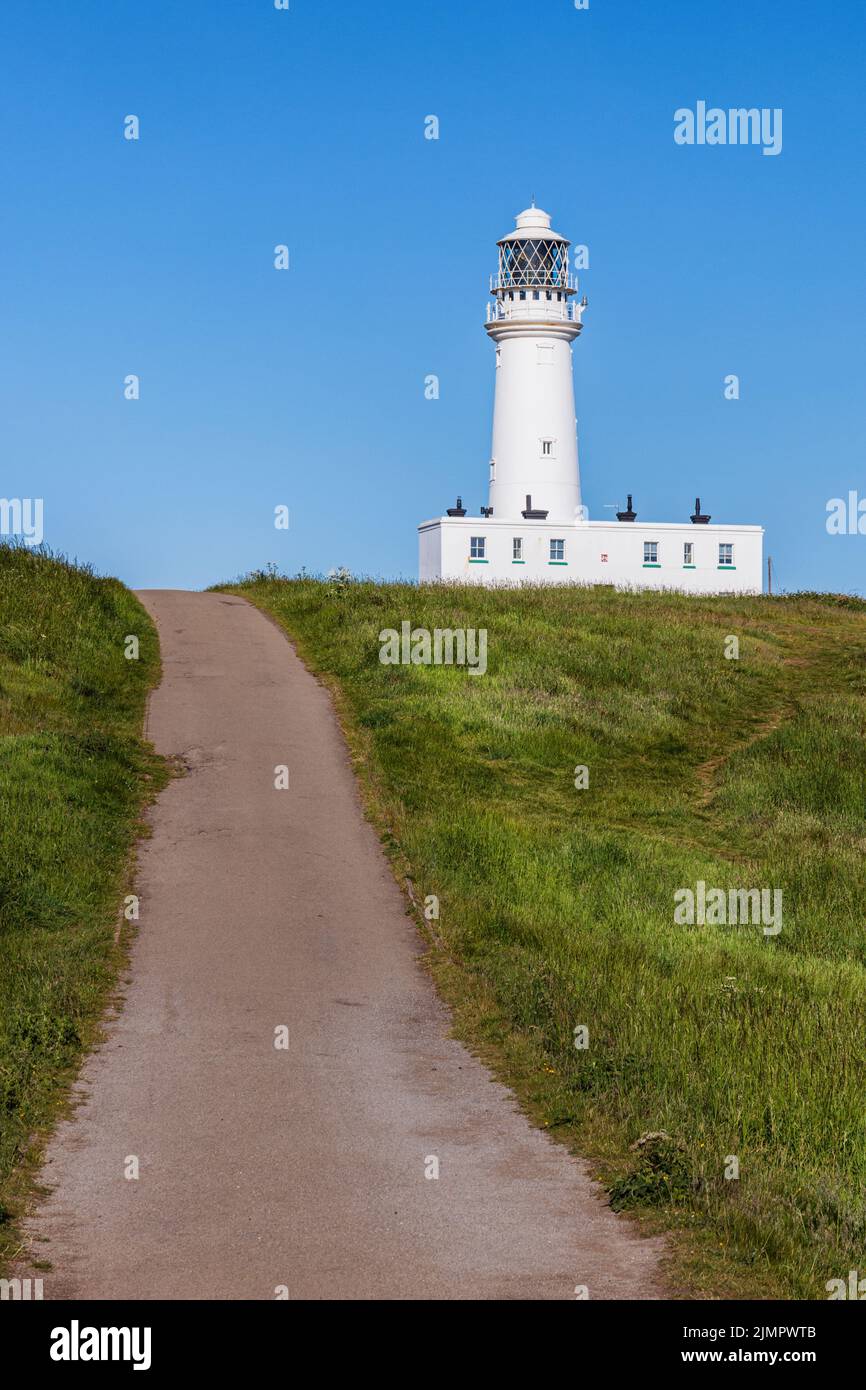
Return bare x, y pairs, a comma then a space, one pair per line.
533, 280
562, 311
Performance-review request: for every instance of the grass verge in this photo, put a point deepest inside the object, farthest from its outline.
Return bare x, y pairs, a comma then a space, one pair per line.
74, 777
739, 1050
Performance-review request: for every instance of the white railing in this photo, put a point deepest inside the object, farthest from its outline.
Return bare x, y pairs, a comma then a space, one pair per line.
525, 280
564, 311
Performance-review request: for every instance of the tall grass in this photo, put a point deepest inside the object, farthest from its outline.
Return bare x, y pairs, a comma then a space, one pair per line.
557, 904
73, 778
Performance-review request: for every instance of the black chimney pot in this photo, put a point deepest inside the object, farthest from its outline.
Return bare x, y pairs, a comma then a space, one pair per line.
531, 513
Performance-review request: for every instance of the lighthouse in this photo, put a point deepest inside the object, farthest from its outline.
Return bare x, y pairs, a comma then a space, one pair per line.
535, 526
533, 320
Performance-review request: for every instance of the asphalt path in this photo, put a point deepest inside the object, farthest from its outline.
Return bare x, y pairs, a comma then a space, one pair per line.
280, 1076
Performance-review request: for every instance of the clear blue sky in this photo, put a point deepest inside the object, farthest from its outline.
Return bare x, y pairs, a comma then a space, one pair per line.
306, 387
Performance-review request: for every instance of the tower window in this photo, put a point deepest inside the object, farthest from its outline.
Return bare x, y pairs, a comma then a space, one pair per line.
517, 548
548, 448
544, 353
557, 551
688, 553
536, 294
550, 294
726, 554
650, 552
523, 294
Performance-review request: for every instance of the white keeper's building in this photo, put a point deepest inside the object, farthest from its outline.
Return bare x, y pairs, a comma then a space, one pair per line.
535, 526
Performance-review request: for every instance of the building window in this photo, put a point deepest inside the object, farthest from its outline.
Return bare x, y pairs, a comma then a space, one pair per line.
548, 448
544, 354
557, 551
517, 548
535, 294
726, 554
688, 553
523, 294
477, 545
549, 294
650, 552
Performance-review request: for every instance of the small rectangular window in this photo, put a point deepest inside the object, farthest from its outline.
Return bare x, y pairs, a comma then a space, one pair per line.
557, 550
544, 354
548, 448
522, 294
726, 554
517, 548
688, 553
476, 547
650, 552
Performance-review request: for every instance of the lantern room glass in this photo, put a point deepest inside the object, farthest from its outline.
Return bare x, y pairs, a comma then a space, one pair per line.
534, 263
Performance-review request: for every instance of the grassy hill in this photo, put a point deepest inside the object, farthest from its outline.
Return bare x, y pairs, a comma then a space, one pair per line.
74, 776
557, 903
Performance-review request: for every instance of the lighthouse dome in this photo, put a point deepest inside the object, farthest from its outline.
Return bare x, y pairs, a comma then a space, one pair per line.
533, 223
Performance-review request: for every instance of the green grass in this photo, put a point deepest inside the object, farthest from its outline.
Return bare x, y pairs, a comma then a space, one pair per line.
556, 905
74, 775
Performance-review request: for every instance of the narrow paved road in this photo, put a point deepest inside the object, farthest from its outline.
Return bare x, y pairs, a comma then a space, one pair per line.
303, 1167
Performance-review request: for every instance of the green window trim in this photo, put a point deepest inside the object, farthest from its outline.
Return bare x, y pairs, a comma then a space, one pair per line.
518, 562
479, 562
726, 567
649, 565
557, 562
689, 567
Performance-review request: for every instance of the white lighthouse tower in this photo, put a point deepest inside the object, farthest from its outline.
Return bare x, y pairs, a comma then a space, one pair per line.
535, 527
533, 320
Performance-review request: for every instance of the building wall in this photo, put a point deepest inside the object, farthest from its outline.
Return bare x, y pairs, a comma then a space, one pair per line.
430, 551
596, 552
